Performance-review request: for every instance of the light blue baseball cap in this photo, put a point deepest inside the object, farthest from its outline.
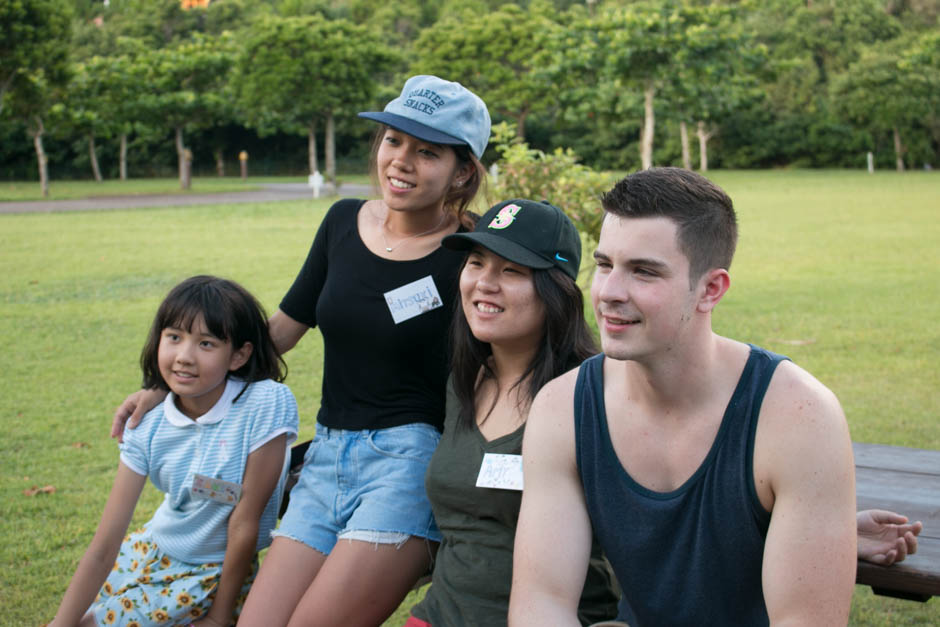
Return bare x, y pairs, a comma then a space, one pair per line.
438, 111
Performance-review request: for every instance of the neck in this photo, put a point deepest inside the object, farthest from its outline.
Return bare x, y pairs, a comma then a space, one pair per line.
414, 223
678, 380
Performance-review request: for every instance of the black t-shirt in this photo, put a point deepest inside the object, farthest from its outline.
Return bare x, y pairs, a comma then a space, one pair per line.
377, 373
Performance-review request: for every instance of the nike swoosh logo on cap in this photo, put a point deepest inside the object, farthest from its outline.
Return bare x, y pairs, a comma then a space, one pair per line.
560, 258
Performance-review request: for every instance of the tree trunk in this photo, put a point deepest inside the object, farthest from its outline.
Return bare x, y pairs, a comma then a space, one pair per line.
181, 159
219, 163
41, 156
684, 139
520, 126
312, 147
93, 156
898, 150
123, 157
703, 137
330, 148
646, 141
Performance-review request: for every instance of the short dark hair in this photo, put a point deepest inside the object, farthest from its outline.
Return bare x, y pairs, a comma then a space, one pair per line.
566, 341
231, 314
457, 199
702, 211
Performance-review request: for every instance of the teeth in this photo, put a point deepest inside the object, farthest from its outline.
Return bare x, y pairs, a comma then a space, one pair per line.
399, 184
488, 308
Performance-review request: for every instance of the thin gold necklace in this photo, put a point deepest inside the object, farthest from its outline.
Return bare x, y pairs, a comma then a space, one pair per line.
390, 249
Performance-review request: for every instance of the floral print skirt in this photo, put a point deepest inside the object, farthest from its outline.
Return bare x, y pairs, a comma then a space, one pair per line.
148, 587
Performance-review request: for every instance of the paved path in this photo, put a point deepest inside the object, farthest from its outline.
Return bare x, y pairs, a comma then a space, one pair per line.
270, 192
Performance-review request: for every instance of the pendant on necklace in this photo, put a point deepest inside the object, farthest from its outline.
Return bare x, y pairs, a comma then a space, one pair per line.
388, 249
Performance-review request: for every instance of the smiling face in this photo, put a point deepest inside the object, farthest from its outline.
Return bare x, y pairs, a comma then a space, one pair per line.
194, 363
640, 289
415, 174
499, 301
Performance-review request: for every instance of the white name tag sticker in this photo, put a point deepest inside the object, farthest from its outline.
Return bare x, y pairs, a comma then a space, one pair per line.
215, 489
500, 471
413, 299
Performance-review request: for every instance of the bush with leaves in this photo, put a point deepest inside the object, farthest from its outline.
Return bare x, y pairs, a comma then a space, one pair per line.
557, 177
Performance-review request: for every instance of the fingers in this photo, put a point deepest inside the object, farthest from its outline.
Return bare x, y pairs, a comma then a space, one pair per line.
121, 414
885, 517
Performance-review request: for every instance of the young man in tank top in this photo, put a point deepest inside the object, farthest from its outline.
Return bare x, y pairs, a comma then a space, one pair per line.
717, 476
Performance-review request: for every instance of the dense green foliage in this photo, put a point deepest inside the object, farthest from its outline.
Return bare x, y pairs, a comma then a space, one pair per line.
624, 83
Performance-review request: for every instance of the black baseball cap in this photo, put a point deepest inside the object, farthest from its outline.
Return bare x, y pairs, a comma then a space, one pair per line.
532, 234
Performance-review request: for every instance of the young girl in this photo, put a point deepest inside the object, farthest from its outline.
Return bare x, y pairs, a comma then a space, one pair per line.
358, 531
216, 446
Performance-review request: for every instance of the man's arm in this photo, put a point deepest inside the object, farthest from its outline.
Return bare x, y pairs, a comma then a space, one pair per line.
804, 454
553, 536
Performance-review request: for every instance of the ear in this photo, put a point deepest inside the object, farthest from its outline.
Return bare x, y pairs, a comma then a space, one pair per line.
240, 357
463, 174
712, 287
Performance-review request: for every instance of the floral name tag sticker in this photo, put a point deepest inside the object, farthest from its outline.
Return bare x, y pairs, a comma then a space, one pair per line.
216, 489
413, 299
500, 471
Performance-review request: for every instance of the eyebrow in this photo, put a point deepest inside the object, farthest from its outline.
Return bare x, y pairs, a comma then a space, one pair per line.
639, 261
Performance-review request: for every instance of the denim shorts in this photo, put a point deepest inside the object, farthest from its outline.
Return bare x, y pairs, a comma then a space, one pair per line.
363, 485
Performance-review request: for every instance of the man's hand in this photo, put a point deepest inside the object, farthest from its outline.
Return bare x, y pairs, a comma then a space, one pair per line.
886, 537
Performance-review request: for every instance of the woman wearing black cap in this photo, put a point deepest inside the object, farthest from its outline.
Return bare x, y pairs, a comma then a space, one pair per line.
519, 323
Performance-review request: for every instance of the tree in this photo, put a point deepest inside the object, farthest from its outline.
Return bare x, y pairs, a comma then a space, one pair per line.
711, 75
893, 89
495, 54
33, 66
298, 71
187, 82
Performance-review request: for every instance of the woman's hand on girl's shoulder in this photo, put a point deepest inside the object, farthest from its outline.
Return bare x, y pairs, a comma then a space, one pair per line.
132, 410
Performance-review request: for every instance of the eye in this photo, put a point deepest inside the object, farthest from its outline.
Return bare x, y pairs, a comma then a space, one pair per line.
427, 152
645, 272
390, 139
207, 344
172, 336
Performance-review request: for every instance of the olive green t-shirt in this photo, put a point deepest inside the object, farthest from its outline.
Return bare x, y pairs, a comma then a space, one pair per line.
473, 570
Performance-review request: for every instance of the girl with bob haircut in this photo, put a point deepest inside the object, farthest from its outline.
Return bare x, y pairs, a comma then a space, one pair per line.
216, 446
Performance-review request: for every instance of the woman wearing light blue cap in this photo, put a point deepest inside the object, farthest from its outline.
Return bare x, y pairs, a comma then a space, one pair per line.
358, 531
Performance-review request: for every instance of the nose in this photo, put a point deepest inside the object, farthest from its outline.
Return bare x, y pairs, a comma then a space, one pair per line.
184, 352
486, 280
613, 287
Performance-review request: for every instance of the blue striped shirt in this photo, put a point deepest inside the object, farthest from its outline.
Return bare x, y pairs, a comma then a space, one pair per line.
171, 448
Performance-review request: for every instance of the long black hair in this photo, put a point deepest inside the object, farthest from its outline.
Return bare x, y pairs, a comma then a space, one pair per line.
566, 341
231, 314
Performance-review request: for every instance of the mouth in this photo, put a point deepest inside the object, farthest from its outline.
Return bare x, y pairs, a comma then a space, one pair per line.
619, 322
488, 308
184, 376
400, 184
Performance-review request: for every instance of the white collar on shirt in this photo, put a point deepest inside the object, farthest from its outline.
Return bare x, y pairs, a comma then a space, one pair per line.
214, 415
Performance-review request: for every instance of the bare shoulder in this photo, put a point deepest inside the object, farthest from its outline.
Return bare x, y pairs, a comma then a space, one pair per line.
797, 399
802, 429
550, 425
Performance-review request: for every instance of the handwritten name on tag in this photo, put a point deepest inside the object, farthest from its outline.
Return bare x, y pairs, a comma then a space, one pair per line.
413, 299
215, 489
500, 471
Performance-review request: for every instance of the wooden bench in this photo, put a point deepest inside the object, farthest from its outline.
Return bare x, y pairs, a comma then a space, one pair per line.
907, 481
901, 479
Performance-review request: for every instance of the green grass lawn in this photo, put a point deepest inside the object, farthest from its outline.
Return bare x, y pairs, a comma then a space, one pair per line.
71, 190
835, 269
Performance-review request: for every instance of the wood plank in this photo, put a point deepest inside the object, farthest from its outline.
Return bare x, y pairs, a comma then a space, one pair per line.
907, 481
915, 496
918, 574
913, 460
